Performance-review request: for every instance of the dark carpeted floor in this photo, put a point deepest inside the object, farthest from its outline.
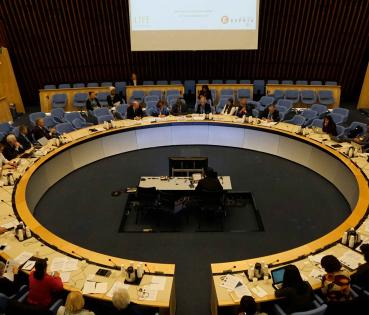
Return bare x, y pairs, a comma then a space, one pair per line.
296, 204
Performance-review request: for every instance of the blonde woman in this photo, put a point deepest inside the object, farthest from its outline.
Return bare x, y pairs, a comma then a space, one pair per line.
74, 305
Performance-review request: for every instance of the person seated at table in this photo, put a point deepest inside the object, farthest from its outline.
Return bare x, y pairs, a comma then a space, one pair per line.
179, 107
205, 91
160, 110
133, 80
210, 183
329, 126
92, 102
123, 305
229, 108
7, 286
74, 305
363, 140
270, 113
134, 111
23, 137
203, 107
43, 286
298, 294
12, 148
113, 98
4, 163
361, 276
335, 283
248, 306
245, 108
40, 131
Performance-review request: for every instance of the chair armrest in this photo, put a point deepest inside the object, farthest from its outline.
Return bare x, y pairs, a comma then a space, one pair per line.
318, 299
354, 294
22, 290
54, 308
278, 310
23, 298
366, 293
356, 288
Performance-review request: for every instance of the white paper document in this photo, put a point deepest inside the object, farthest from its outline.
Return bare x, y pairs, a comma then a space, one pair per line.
352, 259
65, 276
91, 287
64, 264
148, 295
241, 291
10, 224
158, 283
22, 258
230, 282
28, 266
259, 291
316, 273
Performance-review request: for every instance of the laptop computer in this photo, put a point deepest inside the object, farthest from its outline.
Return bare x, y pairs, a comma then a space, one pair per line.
277, 277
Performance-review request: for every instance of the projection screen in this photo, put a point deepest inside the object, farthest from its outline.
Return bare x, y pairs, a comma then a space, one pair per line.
158, 25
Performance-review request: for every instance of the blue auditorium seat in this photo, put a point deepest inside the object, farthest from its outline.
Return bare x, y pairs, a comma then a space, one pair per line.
59, 100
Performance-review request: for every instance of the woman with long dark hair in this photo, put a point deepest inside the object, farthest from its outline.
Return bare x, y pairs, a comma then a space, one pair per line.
329, 126
42, 286
298, 293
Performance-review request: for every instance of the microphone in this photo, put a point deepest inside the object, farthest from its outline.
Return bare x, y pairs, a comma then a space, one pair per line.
270, 265
7, 203
146, 265
79, 256
115, 266
229, 270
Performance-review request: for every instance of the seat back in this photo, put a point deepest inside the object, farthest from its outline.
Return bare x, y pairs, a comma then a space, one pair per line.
107, 84
308, 95
354, 124
266, 100
102, 97
232, 81
287, 82
309, 113
317, 123
226, 92
59, 100
64, 128
175, 82
78, 85
297, 120
190, 86
162, 82
173, 92
243, 93
319, 108
331, 83
259, 86
78, 123
217, 82
138, 94
64, 86
50, 87
58, 114
301, 82
245, 82
5, 127
49, 121
121, 109
316, 83
292, 94
325, 95
92, 84
120, 87
342, 111
337, 118
148, 83
101, 111
273, 82
80, 98
69, 117
151, 98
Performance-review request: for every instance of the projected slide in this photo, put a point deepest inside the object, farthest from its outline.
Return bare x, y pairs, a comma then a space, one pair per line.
194, 24
164, 15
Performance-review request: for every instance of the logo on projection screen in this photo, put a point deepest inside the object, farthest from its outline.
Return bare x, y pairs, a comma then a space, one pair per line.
225, 19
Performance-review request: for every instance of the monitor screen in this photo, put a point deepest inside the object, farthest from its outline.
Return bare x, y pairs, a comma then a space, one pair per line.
277, 275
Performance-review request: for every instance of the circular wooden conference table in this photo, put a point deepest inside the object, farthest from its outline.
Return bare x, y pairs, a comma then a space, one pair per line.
85, 146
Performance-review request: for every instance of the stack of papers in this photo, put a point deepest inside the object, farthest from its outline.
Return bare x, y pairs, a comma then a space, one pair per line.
316, 258
316, 274
116, 286
352, 259
241, 291
65, 276
148, 295
157, 283
64, 264
259, 291
28, 266
91, 287
10, 224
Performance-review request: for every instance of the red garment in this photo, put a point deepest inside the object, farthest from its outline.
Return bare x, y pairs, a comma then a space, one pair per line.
40, 291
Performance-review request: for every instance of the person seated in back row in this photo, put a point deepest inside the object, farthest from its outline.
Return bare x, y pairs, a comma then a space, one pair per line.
203, 107
205, 91
8, 286
113, 98
270, 114
160, 110
92, 102
134, 111
134, 80
248, 306
298, 294
210, 183
4, 162
123, 305
245, 109
40, 131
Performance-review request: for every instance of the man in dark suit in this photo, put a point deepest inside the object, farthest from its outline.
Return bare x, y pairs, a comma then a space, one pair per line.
92, 102
210, 183
40, 131
12, 148
179, 108
23, 138
203, 107
270, 113
134, 111
133, 81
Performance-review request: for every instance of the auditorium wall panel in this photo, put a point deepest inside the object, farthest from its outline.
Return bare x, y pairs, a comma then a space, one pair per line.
57, 41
